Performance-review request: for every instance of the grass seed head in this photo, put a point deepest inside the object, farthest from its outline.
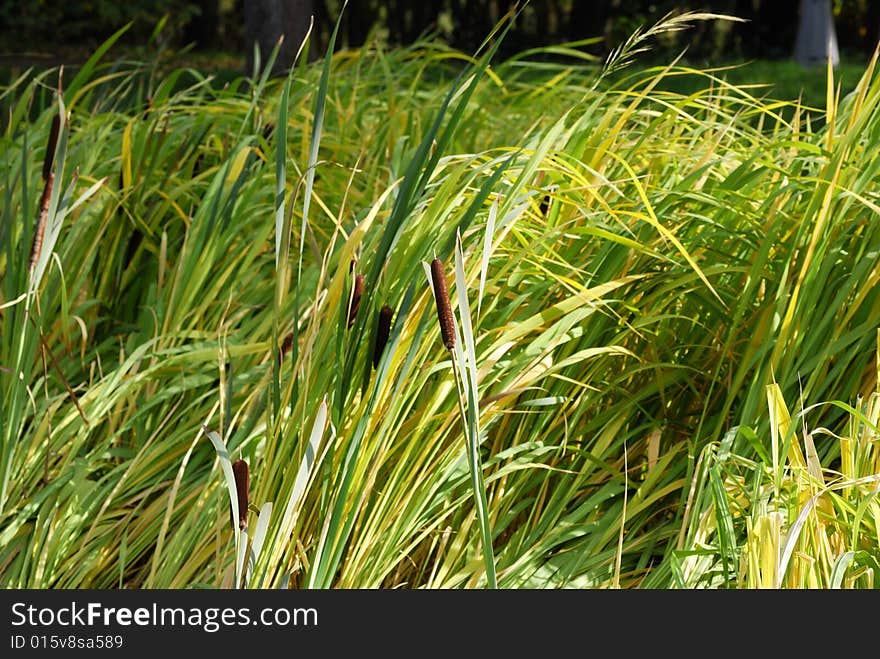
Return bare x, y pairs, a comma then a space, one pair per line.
444, 310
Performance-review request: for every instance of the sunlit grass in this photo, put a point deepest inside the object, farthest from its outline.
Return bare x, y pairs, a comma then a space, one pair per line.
652, 279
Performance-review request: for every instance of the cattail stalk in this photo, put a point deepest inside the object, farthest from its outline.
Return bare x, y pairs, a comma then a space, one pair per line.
469, 417
444, 310
355, 299
383, 329
42, 218
240, 471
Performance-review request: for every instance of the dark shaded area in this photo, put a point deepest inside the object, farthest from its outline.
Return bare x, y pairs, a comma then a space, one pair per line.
60, 28
56, 28
267, 21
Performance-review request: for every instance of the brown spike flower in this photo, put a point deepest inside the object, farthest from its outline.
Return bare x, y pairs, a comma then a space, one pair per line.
286, 345
444, 310
240, 471
40, 229
383, 329
355, 298
50, 146
545, 205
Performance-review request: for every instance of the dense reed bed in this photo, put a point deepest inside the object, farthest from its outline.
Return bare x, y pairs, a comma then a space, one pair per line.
661, 370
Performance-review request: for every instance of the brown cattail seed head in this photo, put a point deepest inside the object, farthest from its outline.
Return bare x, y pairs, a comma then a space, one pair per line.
444, 310
286, 345
40, 229
50, 146
355, 299
240, 471
545, 205
383, 329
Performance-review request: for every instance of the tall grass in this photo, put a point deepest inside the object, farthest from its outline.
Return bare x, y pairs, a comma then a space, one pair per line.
651, 281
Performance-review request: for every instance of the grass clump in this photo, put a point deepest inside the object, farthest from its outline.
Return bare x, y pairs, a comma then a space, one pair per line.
640, 274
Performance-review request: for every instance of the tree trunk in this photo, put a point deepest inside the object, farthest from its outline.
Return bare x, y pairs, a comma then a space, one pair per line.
265, 21
816, 38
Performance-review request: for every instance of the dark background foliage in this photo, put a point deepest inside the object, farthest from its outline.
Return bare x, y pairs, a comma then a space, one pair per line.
60, 28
